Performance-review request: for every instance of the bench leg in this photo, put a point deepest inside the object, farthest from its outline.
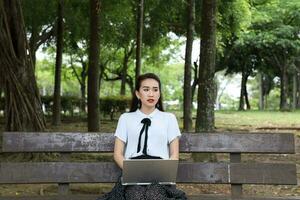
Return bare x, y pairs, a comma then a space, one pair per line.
63, 188
236, 189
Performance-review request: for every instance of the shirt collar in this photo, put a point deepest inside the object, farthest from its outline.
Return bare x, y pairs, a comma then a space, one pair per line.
150, 116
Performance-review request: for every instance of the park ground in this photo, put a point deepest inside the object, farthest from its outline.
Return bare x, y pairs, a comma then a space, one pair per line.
226, 121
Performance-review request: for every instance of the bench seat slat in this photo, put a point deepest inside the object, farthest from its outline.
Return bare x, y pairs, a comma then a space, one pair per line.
59, 172
104, 142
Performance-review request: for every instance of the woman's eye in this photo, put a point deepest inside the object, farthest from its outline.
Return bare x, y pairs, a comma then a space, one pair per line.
146, 90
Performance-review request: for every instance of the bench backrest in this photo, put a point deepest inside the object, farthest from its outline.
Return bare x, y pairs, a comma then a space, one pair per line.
234, 172
189, 142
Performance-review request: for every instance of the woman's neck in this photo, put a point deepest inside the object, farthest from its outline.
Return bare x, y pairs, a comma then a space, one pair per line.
147, 110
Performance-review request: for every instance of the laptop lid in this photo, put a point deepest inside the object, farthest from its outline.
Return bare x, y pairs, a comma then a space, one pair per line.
148, 171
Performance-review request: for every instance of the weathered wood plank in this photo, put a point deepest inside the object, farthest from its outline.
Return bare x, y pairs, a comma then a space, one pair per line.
203, 173
103, 142
57, 142
199, 197
238, 142
57, 172
263, 173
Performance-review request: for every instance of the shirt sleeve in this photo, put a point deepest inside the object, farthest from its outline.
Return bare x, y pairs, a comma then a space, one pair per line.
173, 128
121, 131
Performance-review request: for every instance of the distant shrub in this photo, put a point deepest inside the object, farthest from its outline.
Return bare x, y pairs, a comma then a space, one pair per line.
108, 105
114, 104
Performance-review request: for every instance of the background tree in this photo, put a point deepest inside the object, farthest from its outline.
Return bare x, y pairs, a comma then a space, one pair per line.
76, 43
187, 96
56, 119
39, 17
274, 35
93, 71
139, 36
206, 86
22, 101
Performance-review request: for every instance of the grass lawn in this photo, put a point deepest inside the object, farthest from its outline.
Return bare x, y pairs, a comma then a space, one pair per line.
241, 120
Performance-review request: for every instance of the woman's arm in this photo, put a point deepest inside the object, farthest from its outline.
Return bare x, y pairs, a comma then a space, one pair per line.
119, 152
174, 149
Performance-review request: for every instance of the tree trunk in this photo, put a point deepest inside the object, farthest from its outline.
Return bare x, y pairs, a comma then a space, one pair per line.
56, 114
195, 81
139, 36
284, 89
294, 103
127, 55
187, 94
93, 71
261, 91
206, 96
246, 95
82, 81
32, 42
101, 74
298, 91
23, 108
39, 38
242, 94
83, 87
124, 74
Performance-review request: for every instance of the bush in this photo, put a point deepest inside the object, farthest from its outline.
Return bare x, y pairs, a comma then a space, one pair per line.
114, 104
108, 105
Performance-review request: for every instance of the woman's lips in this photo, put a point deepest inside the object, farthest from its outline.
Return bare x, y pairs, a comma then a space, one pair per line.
150, 100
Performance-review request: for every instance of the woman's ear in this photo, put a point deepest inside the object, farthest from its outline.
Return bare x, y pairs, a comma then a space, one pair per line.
137, 94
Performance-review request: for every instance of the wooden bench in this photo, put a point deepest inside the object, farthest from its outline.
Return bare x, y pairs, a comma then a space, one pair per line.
234, 172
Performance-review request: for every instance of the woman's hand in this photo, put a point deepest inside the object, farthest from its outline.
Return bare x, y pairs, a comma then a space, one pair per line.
119, 152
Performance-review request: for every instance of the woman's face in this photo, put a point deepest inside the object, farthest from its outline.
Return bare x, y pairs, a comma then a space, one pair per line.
148, 93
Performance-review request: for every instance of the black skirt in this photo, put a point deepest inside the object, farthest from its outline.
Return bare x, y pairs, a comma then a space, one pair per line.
154, 191
149, 192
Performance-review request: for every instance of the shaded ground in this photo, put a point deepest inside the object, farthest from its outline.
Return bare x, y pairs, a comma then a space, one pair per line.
225, 121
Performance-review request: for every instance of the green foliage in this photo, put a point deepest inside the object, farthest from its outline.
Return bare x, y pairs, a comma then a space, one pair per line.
250, 33
45, 79
228, 102
38, 14
268, 44
162, 17
271, 100
68, 104
76, 22
114, 104
109, 105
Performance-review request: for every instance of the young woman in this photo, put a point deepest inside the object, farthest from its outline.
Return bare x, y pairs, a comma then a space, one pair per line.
146, 132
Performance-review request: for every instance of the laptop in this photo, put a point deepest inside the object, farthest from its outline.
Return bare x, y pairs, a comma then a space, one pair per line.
148, 171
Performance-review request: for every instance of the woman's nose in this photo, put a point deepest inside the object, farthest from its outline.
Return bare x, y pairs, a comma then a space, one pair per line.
150, 93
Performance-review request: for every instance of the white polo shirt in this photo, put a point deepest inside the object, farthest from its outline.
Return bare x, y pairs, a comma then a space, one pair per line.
163, 129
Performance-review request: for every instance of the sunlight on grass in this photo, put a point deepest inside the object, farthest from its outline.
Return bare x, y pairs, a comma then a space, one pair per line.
257, 119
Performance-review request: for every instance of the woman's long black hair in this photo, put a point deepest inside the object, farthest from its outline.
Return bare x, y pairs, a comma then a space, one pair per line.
135, 102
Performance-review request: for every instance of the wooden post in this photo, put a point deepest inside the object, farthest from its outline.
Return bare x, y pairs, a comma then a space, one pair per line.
64, 188
236, 189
